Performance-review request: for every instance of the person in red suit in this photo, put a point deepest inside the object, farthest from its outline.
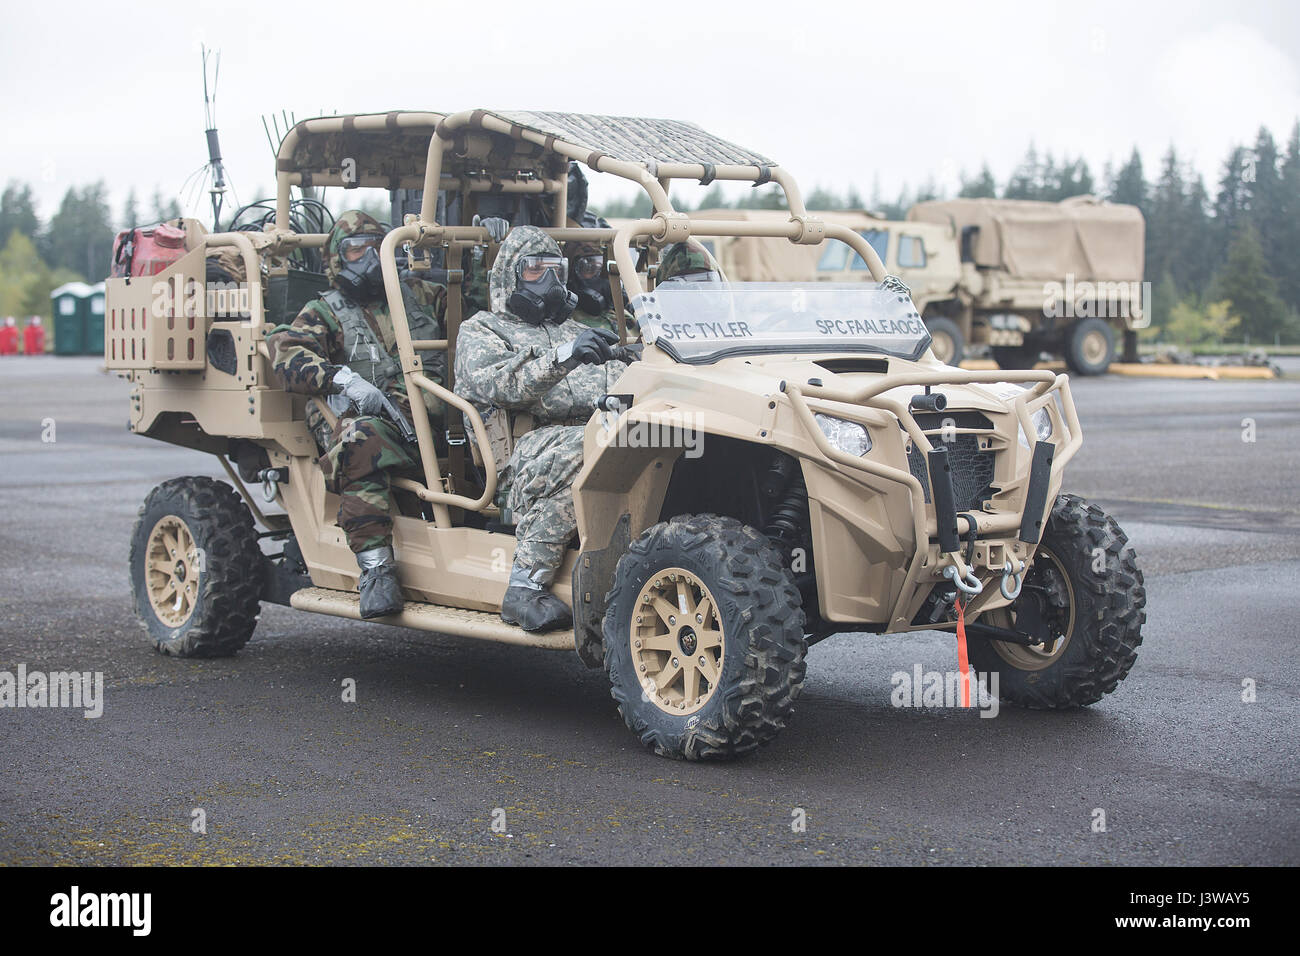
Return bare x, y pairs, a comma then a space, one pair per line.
9, 337
34, 337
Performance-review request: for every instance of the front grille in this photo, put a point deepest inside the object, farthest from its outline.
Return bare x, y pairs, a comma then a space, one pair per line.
934, 421
972, 470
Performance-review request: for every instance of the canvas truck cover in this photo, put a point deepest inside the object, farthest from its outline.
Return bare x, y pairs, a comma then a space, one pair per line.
1083, 236
755, 259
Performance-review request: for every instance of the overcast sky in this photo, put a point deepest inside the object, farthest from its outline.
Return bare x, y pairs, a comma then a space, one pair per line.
840, 93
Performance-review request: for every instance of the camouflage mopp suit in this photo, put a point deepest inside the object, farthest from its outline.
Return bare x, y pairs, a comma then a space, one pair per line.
508, 369
362, 452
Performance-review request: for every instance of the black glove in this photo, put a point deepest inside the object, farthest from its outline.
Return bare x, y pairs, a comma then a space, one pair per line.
628, 353
496, 227
591, 347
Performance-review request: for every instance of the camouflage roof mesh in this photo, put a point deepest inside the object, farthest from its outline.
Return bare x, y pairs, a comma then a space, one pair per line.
637, 139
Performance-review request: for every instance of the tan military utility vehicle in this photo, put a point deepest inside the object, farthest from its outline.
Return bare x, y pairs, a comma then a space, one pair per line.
1019, 276
787, 460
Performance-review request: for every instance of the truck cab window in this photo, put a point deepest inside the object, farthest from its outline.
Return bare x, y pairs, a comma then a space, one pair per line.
911, 252
879, 240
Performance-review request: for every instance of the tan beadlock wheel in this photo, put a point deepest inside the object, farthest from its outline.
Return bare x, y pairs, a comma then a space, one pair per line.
1087, 594
1039, 656
676, 641
172, 571
197, 572
704, 638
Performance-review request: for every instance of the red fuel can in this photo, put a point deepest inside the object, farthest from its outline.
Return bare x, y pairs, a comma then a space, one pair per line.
147, 250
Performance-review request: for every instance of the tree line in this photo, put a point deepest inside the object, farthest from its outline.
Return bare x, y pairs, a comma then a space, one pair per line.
1224, 264
75, 244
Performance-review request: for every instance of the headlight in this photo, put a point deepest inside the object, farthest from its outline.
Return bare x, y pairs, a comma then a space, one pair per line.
1042, 423
1041, 420
848, 437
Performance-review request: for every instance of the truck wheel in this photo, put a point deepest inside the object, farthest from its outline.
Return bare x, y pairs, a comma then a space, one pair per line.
1089, 347
704, 638
1015, 356
946, 340
196, 569
1086, 588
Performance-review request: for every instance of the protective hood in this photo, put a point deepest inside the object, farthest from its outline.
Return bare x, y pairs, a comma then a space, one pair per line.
522, 241
354, 222
577, 192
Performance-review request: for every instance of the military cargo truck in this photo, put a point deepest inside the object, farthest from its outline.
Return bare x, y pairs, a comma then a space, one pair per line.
1019, 276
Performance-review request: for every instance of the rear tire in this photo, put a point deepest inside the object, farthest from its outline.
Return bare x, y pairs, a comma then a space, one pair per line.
946, 340
721, 680
1096, 615
196, 571
1089, 347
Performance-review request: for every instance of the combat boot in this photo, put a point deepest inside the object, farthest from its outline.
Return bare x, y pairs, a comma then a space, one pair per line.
530, 604
381, 595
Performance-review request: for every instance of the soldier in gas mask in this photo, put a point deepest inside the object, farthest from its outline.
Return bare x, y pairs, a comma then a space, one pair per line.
576, 211
686, 262
589, 284
341, 349
594, 307
535, 374
587, 276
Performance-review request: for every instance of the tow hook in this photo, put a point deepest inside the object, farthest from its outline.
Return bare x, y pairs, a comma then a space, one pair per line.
1013, 574
271, 479
965, 582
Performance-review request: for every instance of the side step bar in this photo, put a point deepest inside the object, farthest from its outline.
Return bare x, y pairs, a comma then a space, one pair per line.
483, 625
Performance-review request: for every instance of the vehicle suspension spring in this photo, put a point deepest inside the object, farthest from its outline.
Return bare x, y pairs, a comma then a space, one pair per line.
786, 524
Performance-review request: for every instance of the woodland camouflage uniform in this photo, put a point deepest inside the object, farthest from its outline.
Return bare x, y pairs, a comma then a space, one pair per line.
362, 451
508, 368
683, 258
608, 319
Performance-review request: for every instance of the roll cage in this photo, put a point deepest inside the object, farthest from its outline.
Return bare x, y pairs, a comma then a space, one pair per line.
478, 152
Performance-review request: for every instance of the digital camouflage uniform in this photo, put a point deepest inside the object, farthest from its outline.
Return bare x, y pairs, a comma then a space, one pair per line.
362, 451
506, 367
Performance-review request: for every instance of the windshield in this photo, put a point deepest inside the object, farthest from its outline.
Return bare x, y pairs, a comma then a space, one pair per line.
698, 323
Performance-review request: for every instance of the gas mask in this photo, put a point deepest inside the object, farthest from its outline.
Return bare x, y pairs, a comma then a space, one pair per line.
360, 275
540, 294
587, 281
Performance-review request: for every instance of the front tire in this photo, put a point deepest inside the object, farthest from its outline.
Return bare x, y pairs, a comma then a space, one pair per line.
1089, 591
196, 570
946, 340
704, 638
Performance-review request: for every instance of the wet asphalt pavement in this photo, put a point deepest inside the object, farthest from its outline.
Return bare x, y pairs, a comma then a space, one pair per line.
447, 732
